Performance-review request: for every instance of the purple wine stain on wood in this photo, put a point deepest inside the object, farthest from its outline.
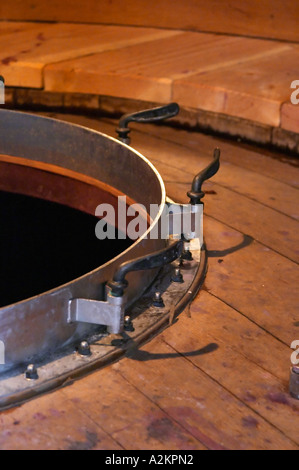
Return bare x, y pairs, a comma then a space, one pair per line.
249, 398
250, 422
163, 429
278, 398
91, 440
210, 191
39, 416
40, 37
185, 416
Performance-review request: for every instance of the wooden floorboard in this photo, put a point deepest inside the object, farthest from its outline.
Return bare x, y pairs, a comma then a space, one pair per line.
52, 423
13, 27
143, 426
253, 90
218, 377
24, 54
207, 410
149, 71
290, 115
213, 325
253, 158
245, 79
260, 18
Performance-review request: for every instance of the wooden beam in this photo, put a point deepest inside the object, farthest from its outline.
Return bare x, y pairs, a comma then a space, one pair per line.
277, 19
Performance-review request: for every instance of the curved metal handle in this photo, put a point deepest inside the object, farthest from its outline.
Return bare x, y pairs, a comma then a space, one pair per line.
196, 193
146, 116
150, 261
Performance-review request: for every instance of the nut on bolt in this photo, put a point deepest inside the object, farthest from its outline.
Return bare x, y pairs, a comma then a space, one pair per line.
294, 382
177, 276
128, 324
187, 255
31, 372
157, 300
84, 349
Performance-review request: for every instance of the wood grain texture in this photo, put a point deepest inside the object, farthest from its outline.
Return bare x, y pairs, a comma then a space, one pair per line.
46, 425
276, 19
290, 117
25, 54
149, 71
254, 90
206, 409
211, 319
146, 428
13, 27
275, 165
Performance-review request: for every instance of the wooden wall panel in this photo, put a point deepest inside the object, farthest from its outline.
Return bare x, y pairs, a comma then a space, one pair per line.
276, 19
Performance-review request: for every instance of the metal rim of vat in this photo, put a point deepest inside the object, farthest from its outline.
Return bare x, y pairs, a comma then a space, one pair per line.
85, 151
43, 355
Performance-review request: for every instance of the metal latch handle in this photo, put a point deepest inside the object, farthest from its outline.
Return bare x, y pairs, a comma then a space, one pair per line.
150, 261
196, 194
146, 116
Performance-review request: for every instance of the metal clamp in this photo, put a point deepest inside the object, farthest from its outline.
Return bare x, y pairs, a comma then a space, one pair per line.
185, 221
109, 313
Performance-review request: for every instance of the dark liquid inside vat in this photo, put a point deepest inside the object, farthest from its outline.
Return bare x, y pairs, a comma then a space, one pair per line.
44, 245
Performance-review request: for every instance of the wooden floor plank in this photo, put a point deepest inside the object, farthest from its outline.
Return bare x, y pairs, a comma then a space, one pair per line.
273, 164
52, 423
147, 71
24, 56
215, 324
199, 403
290, 116
254, 90
13, 27
133, 420
254, 280
260, 18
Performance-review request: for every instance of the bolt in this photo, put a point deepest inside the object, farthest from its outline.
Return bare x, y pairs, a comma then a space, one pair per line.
31, 372
84, 349
294, 382
128, 324
187, 255
177, 277
157, 300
